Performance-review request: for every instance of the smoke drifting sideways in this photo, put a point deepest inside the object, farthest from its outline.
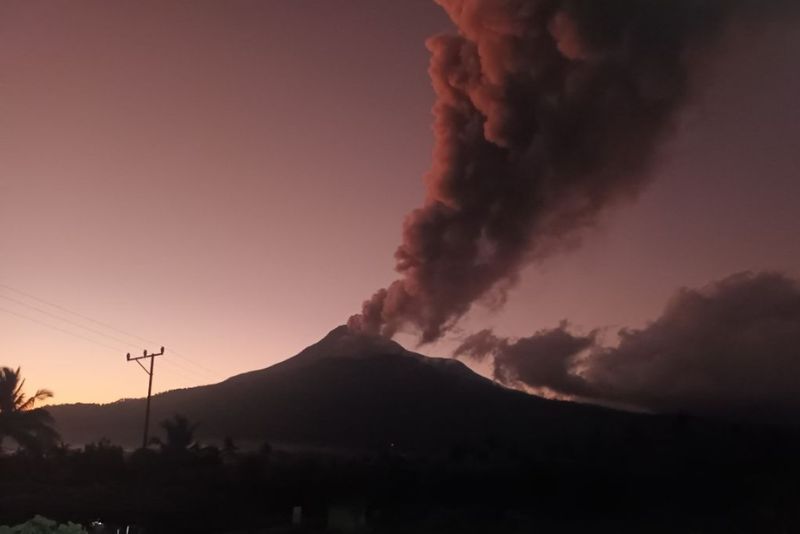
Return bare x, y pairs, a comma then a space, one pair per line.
547, 114
729, 349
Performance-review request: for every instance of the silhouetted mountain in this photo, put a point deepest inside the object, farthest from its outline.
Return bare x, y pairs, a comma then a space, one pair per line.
351, 391
450, 452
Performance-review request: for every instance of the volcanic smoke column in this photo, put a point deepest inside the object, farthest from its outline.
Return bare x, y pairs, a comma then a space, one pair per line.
547, 112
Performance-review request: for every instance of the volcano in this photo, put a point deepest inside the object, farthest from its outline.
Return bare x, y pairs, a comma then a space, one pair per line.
348, 391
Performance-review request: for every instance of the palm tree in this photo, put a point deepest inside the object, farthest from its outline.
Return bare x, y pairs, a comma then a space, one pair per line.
32, 428
180, 434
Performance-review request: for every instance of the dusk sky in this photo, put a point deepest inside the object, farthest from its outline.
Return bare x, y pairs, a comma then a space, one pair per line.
229, 179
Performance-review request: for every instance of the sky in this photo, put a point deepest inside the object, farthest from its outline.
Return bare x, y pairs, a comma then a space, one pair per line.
229, 179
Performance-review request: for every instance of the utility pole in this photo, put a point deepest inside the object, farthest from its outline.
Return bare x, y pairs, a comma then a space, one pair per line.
149, 386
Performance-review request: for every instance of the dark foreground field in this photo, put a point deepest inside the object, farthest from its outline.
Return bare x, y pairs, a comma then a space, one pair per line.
684, 481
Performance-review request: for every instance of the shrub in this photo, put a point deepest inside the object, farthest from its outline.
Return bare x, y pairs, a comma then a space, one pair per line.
42, 525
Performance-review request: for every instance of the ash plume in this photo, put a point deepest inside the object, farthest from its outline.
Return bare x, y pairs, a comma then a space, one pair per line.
731, 348
544, 360
547, 114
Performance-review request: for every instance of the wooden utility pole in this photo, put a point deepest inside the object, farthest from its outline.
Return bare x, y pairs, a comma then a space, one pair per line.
149, 387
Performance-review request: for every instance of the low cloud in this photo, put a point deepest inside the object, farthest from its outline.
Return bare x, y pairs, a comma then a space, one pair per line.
731, 348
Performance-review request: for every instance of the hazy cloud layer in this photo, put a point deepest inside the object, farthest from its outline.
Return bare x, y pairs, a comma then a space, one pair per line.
732, 348
547, 113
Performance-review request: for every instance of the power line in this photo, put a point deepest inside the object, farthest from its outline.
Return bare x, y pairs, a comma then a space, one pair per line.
101, 323
73, 323
185, 370
180, 372
186, 359
72, 312
178, 375
28, 318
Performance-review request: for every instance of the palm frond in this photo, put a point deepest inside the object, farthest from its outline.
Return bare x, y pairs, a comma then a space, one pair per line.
31, 428
40, 394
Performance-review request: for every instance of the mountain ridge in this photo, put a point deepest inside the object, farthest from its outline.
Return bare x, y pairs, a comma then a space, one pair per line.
348, 390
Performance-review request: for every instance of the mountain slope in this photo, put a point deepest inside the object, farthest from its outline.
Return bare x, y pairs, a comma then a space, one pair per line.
348, 390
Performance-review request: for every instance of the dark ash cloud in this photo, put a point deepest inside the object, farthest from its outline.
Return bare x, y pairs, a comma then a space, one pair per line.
547, 113
732, 348
543, 360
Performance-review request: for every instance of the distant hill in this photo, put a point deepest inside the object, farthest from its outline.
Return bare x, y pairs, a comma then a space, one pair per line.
350, 391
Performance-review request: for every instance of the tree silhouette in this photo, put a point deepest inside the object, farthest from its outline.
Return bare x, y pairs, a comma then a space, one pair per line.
229, 446
32, 428
180, 434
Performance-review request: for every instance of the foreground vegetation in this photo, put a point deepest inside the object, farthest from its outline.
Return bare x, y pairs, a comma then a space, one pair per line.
675, 485
42, 525
28, 426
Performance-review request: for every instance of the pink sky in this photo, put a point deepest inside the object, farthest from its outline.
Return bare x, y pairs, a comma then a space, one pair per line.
229, 179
